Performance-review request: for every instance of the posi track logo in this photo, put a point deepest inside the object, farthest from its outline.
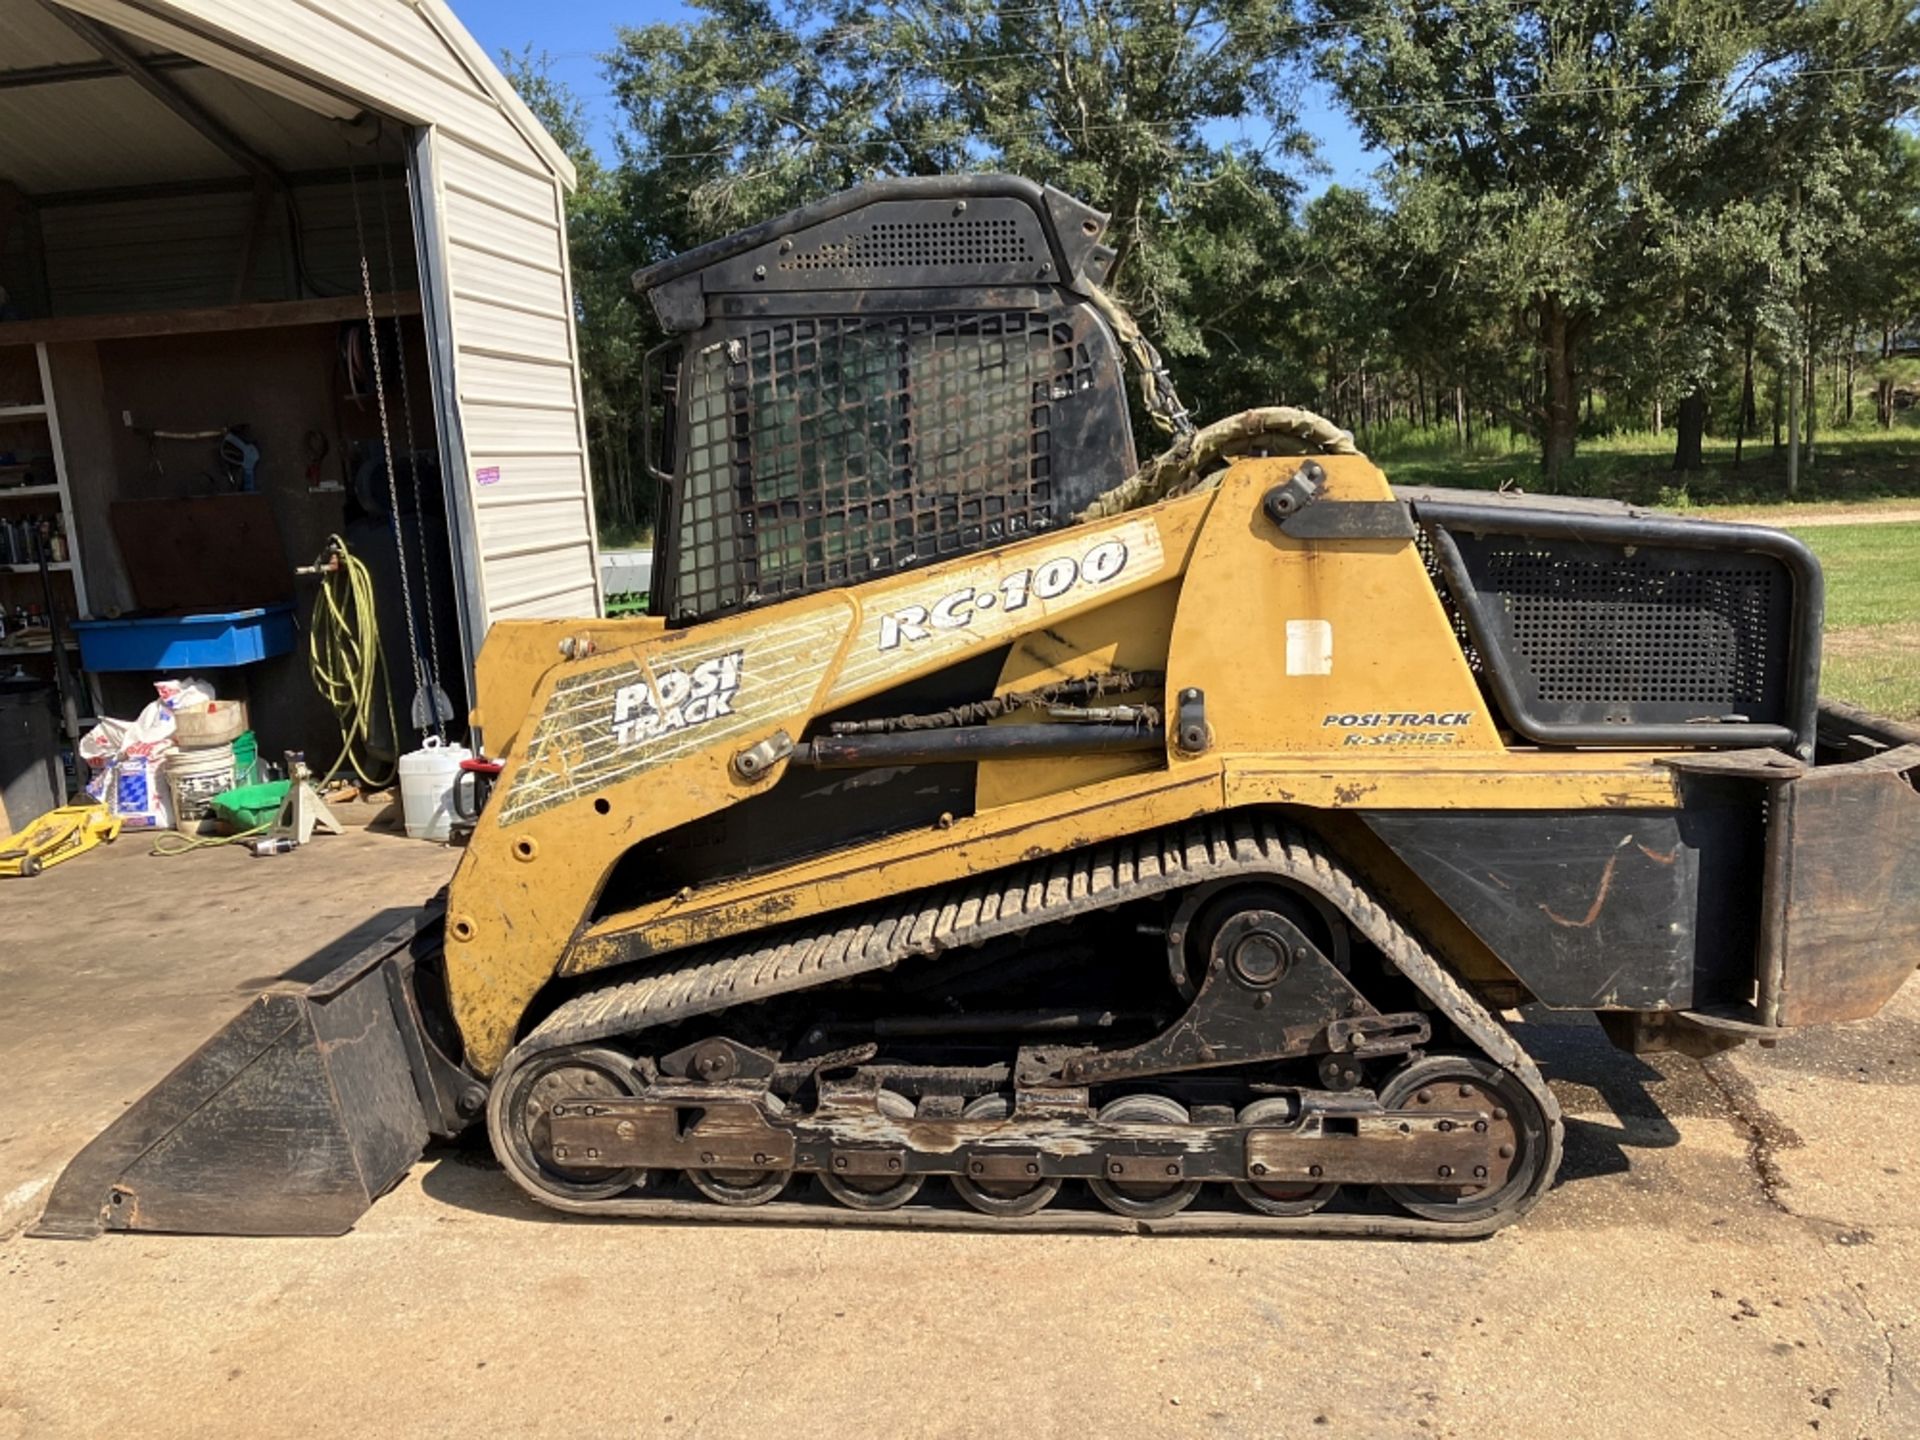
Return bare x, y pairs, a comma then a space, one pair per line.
675, 700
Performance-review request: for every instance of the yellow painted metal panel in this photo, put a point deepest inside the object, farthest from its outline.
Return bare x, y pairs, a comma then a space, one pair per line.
640, 737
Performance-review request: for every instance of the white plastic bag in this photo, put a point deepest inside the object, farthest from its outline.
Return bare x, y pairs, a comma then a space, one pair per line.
184, 693
127, 756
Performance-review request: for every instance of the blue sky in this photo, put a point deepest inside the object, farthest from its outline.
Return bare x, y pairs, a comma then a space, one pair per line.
574, 32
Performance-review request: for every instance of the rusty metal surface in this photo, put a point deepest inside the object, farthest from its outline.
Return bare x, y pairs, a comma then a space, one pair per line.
1856, 732
1425, 1144
652, 1131
1394, 1147
1841, 930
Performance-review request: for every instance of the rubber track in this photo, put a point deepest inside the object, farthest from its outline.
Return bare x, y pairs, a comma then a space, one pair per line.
1023, 897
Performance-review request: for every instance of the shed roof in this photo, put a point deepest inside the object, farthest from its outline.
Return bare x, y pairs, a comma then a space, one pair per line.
75, 120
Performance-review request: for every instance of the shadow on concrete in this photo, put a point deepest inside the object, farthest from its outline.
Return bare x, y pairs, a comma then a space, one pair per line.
1580, 1062
336, 951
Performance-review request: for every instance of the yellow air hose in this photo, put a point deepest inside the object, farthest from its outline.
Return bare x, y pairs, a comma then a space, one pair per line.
348, 668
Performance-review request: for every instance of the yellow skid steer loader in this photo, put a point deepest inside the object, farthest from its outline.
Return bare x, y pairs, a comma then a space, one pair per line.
985, 830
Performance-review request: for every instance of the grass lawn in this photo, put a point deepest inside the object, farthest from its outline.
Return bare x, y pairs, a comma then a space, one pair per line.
1858, 465
1872, 653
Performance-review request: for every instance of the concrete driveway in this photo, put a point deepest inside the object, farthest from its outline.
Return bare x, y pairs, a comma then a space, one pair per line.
1734, 1249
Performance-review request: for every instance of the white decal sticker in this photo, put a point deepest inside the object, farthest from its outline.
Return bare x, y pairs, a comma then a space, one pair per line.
1060, 576
658, 703
1309, 647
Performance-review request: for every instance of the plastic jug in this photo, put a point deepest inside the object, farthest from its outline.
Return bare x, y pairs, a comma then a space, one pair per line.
427, 777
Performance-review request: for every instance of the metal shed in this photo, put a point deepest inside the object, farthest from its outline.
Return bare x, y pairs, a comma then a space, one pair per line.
207, 169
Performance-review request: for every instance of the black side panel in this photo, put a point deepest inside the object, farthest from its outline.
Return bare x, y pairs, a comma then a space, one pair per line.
1626, 910
808, 812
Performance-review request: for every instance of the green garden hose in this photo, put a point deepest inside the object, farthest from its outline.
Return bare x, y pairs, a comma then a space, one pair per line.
348, 667
166, 843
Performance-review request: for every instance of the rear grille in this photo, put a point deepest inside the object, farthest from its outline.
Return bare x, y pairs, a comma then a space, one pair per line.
1632, 630
1592, 632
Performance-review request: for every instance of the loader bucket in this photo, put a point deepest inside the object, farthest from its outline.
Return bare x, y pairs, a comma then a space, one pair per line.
290, 1121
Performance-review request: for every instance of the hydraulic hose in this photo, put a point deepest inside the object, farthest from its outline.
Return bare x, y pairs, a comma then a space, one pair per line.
348, 667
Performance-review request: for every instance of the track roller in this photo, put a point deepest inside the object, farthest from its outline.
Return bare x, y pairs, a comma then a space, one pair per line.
1140, 1199
1276, 1199
1002, 1197
876, 1192
742, 1188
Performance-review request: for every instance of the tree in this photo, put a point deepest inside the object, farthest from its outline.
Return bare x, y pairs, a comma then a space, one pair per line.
1644, 201
757, 107
1531, 147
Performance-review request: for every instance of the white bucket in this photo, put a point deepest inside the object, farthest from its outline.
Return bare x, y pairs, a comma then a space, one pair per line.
194, 777
427, 778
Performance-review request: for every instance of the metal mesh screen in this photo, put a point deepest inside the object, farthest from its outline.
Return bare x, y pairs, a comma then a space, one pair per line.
1636, 634
918, 244
825, 451
1624, 630
1423, 542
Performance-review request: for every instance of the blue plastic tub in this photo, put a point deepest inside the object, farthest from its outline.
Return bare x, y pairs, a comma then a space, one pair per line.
186, 642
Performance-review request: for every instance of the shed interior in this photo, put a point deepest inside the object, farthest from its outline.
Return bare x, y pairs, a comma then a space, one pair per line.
190, 392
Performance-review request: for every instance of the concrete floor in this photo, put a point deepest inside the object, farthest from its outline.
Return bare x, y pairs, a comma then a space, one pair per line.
1733, 1249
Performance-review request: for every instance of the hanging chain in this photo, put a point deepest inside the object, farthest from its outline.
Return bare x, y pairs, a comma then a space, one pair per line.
386, 438
413, 468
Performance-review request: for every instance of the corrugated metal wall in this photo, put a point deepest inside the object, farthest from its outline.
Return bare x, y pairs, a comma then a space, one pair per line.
183, 251
500, 200
515, 367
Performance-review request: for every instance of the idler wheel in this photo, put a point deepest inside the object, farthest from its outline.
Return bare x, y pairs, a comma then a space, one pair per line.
518, 1120
1514, 1121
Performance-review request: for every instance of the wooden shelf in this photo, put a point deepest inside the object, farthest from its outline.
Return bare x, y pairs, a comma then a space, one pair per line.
259, 316
15, 492
40, 647
22, 412
34, 569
